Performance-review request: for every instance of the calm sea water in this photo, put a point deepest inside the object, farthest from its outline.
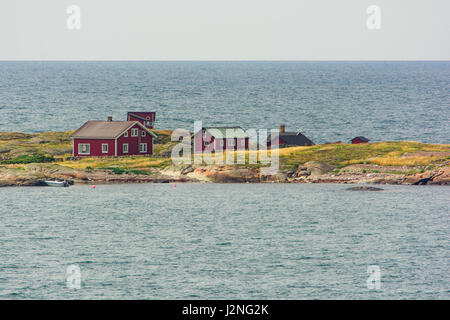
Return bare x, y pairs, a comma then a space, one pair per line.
275, 241
328, 101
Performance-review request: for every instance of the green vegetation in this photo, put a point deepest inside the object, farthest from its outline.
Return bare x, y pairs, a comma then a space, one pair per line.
29, 159
402, 153
117, 170
18, 148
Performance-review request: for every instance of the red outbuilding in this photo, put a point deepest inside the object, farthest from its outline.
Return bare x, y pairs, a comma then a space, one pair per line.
145, 118
221, 138
360, 139
112, 138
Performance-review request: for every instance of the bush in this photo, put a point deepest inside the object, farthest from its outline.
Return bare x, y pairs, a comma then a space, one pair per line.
118, 171
29, 159
136, 171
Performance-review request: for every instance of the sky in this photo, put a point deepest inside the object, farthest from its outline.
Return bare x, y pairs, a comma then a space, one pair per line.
224, 30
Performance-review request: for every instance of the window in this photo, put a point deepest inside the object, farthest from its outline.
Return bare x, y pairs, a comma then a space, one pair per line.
143, 133
231, 142
125, 134
206, 143
104, 148
221, 143
148, 123
134, 132
142, 147
242, 142
125, 148
204, 134
83, 148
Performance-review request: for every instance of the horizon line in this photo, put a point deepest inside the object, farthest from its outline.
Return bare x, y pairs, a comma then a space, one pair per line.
225, 60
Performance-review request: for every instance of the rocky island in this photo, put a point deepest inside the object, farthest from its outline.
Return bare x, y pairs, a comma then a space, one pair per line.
28, 159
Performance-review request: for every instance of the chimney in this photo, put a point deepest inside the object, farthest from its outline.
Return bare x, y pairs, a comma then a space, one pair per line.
282, 128
109, 119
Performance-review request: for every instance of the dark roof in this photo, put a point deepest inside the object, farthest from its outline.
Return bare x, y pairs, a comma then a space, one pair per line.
105, 129
361, 138
293, 138
227, 132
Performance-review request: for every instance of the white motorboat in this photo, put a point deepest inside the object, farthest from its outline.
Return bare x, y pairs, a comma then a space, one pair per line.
56, 183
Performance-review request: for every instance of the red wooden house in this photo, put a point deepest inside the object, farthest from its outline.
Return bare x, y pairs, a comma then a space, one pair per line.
145, 118
360, 139
112, 138
220, 138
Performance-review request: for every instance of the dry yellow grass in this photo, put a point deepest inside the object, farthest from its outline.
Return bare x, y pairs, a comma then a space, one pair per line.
410, 161
59, 144
122, 162
381, 153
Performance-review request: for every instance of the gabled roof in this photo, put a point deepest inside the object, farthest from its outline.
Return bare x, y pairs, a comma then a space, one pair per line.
293, 138
138, 114
226, 132
364, 139
106, 129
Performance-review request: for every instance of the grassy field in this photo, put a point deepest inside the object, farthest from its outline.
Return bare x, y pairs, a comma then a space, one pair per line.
23, 148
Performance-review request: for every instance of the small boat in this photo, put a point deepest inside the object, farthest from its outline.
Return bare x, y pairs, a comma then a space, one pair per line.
57, 183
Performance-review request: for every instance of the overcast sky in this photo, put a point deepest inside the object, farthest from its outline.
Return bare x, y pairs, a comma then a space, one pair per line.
224, 30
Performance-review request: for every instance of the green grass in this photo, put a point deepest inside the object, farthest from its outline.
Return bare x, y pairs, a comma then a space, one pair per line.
20, 148
28, 159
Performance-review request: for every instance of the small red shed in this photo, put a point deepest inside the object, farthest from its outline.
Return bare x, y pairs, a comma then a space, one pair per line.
145, 118
360, 139
112, 138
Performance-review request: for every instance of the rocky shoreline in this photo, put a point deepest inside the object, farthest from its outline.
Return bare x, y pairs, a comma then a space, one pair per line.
28, 159
35, 174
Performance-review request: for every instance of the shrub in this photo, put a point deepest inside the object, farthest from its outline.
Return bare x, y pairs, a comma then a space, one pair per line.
136, 171
29, 159
118, 171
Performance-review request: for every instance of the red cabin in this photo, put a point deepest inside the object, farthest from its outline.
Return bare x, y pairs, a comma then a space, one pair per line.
112, 138
145, 118
360, 139
221, 138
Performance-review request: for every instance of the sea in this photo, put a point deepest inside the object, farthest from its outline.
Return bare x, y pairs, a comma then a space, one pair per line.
228, 241
326, 101
224, 241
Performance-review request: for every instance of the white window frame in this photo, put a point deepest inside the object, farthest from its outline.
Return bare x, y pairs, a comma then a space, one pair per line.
149, 123
140, 147
134, 132
143, 133
242, 142
221, 142
104, 144
126, 134
231, 143
80, 147
123, 148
